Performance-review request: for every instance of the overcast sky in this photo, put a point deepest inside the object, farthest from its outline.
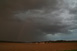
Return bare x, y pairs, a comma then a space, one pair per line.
38, 20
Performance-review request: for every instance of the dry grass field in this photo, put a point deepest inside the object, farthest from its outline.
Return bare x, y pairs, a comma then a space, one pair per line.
37, 46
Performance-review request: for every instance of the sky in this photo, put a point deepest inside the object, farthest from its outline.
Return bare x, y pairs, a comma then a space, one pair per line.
38, 20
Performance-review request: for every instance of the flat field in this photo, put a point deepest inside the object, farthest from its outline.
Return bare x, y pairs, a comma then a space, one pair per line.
37, 46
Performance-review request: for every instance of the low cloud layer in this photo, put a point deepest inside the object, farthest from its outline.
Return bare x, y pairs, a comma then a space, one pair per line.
60, 20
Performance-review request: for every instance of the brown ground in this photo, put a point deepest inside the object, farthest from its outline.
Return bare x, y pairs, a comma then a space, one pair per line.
37, 47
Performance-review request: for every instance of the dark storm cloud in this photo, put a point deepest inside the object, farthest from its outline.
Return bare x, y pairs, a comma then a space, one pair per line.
32, 20
26, 4
53, 22
9, 7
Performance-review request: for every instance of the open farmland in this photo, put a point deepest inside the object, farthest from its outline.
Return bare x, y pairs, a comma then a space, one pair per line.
37, 46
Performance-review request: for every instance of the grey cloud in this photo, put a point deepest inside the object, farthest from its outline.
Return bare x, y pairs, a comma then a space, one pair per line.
52, 22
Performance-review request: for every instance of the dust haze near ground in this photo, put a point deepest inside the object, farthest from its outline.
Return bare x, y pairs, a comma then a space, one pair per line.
37, 47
